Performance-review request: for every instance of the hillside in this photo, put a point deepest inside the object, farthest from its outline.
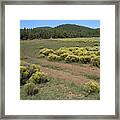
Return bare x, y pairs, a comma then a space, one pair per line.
72, 27
61, 31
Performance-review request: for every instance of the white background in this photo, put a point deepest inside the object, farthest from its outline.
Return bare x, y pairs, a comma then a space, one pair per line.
106, 15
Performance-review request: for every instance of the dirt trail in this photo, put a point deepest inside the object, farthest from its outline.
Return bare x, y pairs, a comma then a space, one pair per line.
64, 75
66, 71
75, 69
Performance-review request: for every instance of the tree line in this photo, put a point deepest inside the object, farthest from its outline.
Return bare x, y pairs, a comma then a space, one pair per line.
61, 31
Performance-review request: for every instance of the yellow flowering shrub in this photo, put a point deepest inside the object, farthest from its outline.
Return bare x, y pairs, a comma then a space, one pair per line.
38, 77
92, 86
31, 73
96, 61
86, 55
24, 74
72, 58
53, 57
46, 51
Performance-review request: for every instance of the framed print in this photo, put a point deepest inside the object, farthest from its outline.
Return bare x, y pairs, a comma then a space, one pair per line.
59, 59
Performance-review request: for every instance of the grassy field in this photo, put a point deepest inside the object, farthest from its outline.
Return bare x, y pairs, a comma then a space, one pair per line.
65, 80
31, 47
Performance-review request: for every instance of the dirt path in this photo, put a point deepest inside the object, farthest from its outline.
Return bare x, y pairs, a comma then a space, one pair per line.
74, 68
64, 75
66, 71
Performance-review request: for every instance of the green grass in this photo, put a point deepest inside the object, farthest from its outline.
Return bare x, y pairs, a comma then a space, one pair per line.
57, 89
53, 67
94, 39
93, 77
30, 48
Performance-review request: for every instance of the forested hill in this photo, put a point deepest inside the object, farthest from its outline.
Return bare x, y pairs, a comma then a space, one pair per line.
61, 31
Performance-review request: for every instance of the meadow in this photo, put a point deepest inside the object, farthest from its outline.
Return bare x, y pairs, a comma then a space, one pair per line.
60, 69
